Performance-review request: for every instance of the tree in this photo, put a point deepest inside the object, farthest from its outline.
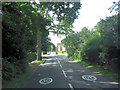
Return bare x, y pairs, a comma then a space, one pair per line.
109, 31
65, 21
116, 8
16, 32
17, 38
74, 41
98, 46
36, 17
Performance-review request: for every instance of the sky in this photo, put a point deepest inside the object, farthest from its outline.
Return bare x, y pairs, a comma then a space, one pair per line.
90, 13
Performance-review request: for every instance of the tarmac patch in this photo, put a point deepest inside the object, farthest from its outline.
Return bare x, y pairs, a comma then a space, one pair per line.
45, 80
89, 77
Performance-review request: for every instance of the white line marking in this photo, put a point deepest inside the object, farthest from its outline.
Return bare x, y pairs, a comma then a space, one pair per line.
64, 73
58, 61
60, 65
70, 85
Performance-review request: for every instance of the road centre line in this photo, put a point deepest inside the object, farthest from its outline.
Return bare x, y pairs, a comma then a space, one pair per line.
60, 65
70, 85
64, 73
59, 62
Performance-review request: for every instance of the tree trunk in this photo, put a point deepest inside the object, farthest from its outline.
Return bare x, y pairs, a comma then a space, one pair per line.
39, 51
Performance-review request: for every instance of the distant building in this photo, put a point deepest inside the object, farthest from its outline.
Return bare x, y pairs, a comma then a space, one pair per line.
60, 47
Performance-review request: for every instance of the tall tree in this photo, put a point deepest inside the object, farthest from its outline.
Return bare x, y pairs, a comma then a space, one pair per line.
64, 14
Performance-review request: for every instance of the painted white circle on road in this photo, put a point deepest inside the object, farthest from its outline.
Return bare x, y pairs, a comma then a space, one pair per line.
89, 77
45, 80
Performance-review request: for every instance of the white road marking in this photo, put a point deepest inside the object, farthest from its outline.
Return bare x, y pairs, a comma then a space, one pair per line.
60, 65
58, 61
64, 73
70, 85
46, 80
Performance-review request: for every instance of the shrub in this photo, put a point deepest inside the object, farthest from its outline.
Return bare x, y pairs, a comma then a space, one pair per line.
31, 56
91, 48
12, 70
8, 70
113, 58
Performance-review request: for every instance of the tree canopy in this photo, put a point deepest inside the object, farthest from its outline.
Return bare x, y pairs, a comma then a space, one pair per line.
98, 46
26, 26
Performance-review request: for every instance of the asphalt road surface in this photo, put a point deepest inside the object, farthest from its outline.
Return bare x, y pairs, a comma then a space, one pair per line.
60, 72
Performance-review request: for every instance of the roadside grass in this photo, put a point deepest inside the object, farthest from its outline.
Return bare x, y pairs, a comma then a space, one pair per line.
40, 62
19, 79
99, 68
62, 52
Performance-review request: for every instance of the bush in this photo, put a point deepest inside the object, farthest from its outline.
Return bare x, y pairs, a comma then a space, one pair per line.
31, 56
102, 58
8, 70
91, 48
113, 58
12, 70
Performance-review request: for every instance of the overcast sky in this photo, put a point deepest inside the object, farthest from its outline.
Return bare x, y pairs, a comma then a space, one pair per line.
90, 13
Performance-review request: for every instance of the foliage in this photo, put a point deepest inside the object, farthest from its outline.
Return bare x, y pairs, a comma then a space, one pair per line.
11, 70
98, 46
65, 15
62, 12
18, 80
20, 24
99, 68
31, 56
92, 47
51, 46
109, 31
17, 39
61, 51
40, 62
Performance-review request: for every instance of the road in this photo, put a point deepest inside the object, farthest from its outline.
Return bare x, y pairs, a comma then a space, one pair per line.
66, 73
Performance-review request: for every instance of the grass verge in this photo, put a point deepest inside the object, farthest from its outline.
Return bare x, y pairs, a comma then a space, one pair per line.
62, 52
40, 62
100, 69
16, 81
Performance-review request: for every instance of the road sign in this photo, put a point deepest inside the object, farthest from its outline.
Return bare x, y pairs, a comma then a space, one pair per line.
45, 80
89, 77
